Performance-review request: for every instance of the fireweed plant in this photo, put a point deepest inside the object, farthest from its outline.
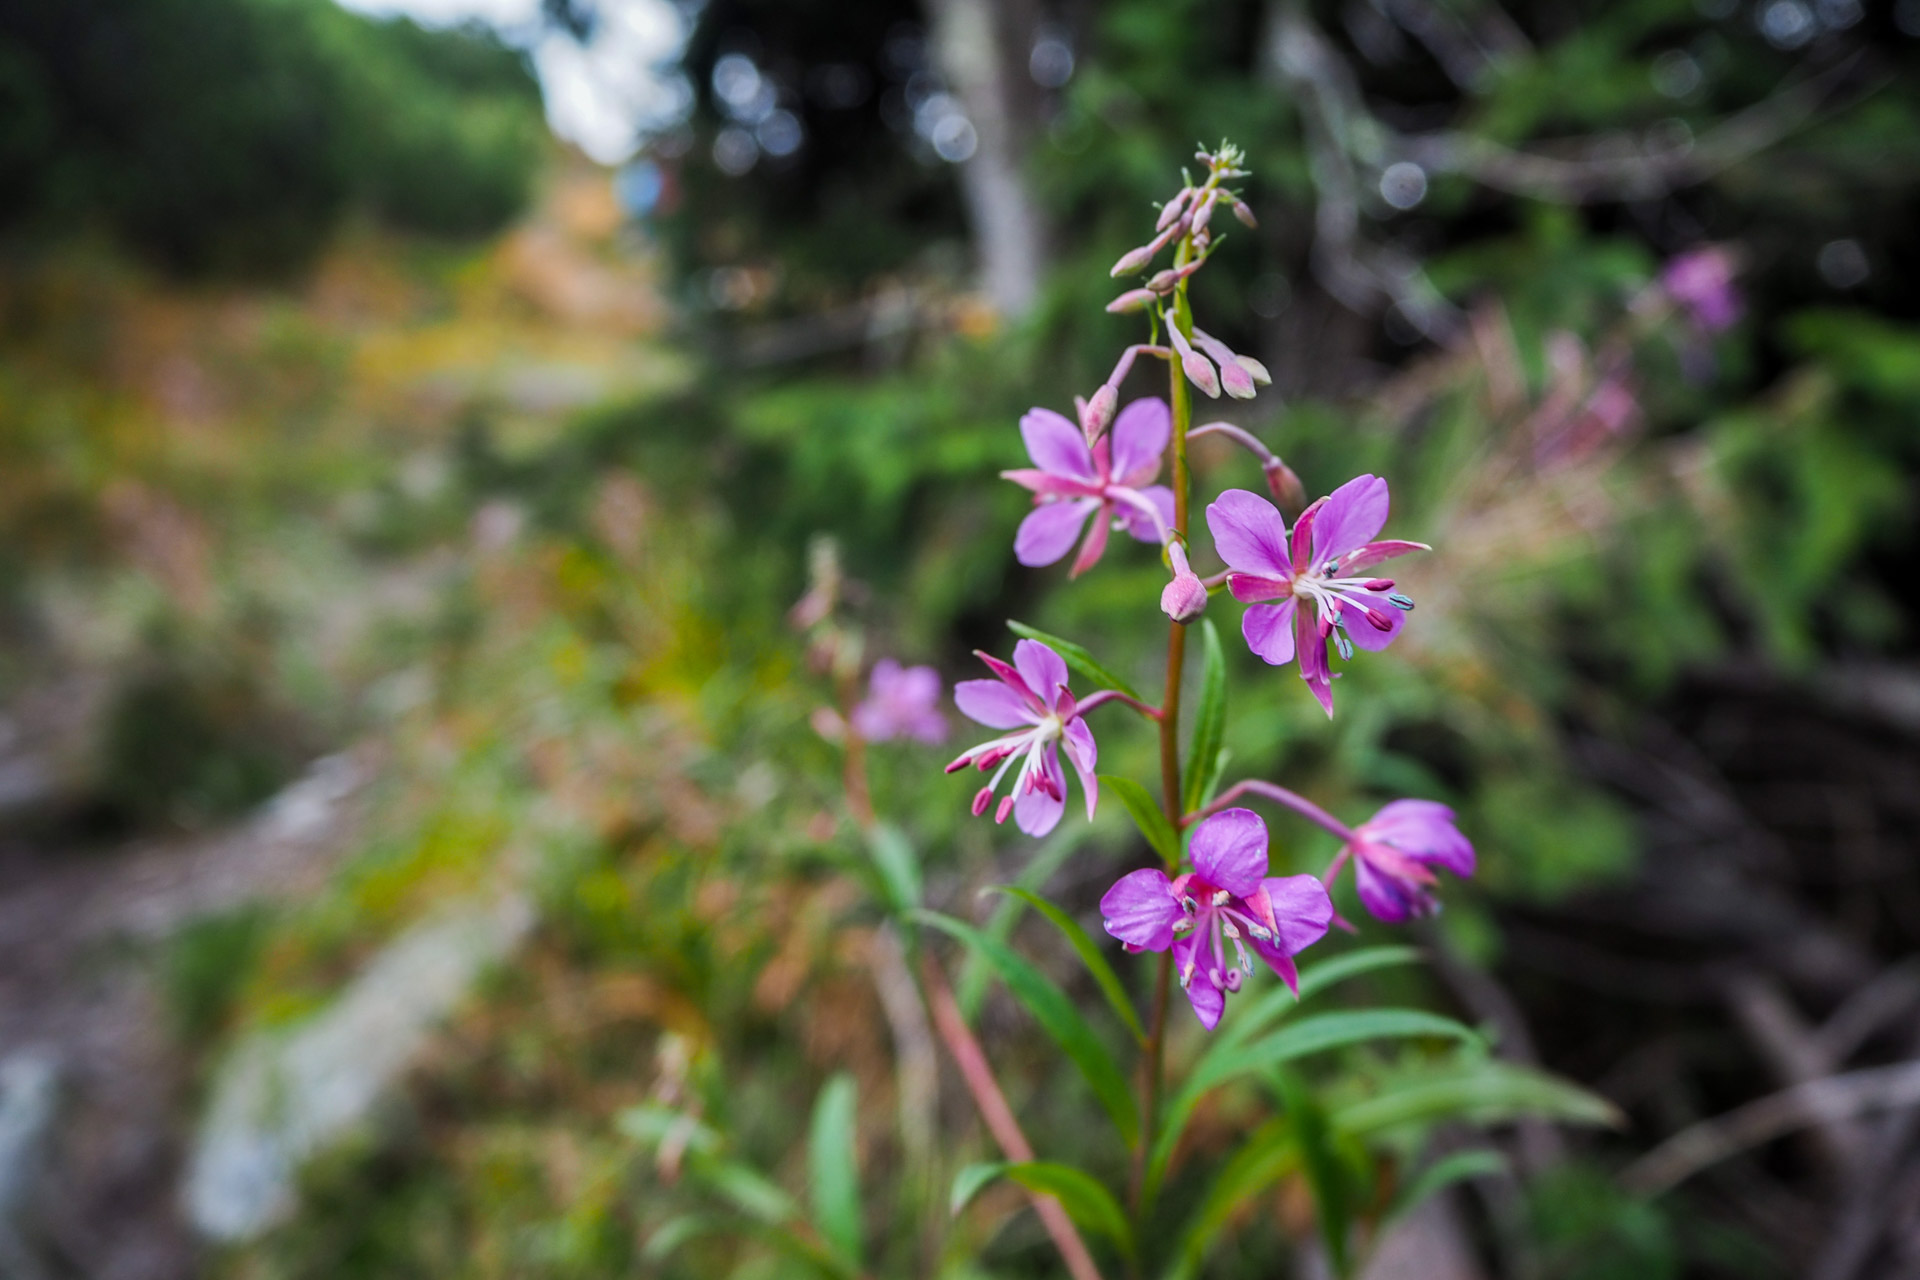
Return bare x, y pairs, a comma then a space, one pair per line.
1208, 910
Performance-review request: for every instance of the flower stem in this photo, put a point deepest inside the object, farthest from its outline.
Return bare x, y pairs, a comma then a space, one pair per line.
1279, 795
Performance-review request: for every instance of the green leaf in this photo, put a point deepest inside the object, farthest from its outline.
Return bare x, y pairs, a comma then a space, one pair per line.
1090, 955
1086, 1201
1210, 721
1327, 1174
1244, 1023
750, 1191
654, 1125
1438, 1176
832, 1168
1262, 1160
689, 1227
1214, 772
1147, 816
970, 1181
1076, 657
1057, 1016
899, 869
972, 982
1315, 1034
1485, 1091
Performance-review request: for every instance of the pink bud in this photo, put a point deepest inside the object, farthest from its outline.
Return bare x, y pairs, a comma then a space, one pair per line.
1287, 490
1245, 215
827, 723
1185, 598
1255, 369
1172, 209
1132, 300
1201, 374
1202, 214
1132, 260
1100, 411
1237, 381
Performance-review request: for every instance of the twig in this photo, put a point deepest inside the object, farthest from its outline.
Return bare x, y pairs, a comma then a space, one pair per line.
992, 1105
1827, 1101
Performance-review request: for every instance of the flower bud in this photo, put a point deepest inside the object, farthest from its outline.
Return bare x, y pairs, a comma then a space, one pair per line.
1100, 410
1287, 490
1185, 598
1202, 214
1237, 381
1132, 260
1134, 299
1200, 373
1256, 370
827, 723
1245, 215
1172, 209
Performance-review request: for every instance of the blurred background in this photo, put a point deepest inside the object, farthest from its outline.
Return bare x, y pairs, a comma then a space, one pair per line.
418, 418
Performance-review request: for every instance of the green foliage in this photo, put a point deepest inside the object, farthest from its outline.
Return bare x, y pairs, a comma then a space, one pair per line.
1209, 719
1090, 955
1146, 815
833, 1171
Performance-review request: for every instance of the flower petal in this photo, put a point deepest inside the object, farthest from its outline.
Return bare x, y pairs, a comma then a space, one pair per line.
1353, 514
1140, 436
1249, 534
1363, 633
1373, 553
1140, 910
1207, 999
1138, 523
1269, 631
1038, 811
1251, 588
1311, 649
1096, 544
1049, 530
1040, 667
1078, 740
1056, 445
992, 703
1230, 851
1301, 911
1423, 829
1389, 900
1050, 484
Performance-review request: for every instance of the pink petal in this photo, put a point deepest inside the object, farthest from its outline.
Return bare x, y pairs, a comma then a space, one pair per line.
1140, 910
1388, 900
1363, 633
1251, 588
1301, 911
1137, 522
1040, 667
1096, 544
1078, 740
1269, 630
1279, 962
1048, 484
992, 703
1140, 436
1354, 513
1056, 445
1208, 1000
1374, 552
1249, 534
1311, 649
1230, 851
1423, 829
1037, 812
1049, 530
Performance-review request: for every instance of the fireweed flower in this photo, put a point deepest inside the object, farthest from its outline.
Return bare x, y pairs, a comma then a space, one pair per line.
1394, 855
1111, 480
1228, 899
901, 702
1032, 699
1316, 577
1701, 281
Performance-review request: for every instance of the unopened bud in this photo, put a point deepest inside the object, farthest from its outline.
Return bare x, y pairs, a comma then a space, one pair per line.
1172, 209
1200, 373
1131, 261
1134, 299
1245, 215
1202, 214
1236, 380
1100, 410
1255, 370
1185, 598
1287, 490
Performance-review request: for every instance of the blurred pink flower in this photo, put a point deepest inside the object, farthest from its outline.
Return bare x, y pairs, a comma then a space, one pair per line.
1112, 479
1227, 898
1032, 699
901, 702
1320, 567
1185, 598
1394, 853
1701, 282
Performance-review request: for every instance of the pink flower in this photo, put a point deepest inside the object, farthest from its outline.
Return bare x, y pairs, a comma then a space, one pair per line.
1111, 480
901, 703
1185, 598
1701, 281
1315, 576
1227, 898
1394, 853
1032, 699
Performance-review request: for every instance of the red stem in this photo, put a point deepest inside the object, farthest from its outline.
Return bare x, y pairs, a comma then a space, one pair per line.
1279, 795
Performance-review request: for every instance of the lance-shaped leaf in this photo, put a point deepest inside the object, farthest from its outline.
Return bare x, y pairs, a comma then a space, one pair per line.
1146, 815
1057, 1016
1210, 720
1076, 657
1438, 1176
1310, 1035
1329, 1176
833, 1172
1477, 1091
1262, 1160
1090, 955
1090, 1205
795, 1246
1256, 1015
899, 870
